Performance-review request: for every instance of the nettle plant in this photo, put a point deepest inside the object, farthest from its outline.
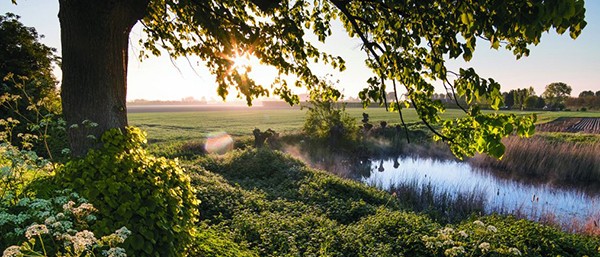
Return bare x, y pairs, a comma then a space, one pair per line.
57, 226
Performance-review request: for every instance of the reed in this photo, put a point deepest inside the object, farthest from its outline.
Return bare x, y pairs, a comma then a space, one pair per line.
557, 162
444, 205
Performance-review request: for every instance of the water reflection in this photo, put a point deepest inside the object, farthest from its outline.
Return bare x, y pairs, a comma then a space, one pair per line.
501, 195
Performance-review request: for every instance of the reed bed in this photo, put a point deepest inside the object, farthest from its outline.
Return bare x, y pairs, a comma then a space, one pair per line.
536, 158
444, 205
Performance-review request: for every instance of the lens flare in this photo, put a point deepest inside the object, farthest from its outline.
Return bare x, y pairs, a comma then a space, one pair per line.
218, 143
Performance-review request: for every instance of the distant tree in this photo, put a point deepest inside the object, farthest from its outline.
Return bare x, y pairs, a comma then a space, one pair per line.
586, 93
509, 99
556, 93
598, 93
515, 98
534, 102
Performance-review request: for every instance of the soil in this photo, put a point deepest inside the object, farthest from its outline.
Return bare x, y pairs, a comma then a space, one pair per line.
573, 125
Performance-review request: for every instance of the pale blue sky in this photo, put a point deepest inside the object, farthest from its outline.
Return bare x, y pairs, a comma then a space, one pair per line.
556, 58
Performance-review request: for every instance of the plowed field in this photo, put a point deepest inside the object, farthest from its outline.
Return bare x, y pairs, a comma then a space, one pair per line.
574, 125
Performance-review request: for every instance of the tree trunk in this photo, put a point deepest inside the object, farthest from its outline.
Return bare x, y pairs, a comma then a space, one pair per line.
94, 38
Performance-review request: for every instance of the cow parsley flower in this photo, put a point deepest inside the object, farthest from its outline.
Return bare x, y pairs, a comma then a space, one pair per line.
485, 246
36, 230
514, 251
12, 251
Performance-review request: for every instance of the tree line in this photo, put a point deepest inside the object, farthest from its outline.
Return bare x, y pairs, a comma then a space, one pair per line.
556, 97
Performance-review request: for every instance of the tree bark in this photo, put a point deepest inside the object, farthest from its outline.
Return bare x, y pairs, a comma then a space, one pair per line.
95, 38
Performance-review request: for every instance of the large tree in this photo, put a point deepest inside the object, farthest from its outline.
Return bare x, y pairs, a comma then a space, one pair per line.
407, 41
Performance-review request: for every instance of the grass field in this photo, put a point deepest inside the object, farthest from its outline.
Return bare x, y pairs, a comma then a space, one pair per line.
181, 126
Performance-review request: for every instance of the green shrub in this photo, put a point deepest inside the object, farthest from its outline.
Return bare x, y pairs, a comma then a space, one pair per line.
327, 120
150, 196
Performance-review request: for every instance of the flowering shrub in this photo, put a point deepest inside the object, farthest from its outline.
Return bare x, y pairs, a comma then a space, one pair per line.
151, 196
61, 232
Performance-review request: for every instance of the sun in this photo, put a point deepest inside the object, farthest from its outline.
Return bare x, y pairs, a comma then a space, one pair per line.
245, 62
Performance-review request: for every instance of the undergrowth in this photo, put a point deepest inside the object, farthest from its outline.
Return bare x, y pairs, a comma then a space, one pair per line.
276, 206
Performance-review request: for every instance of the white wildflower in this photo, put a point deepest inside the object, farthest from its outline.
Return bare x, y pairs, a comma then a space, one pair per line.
83, 209
446, 231
69, 206
463, 234
485, 246
82, 240
12, 251
492, 229
50, 220
514, 251
455, 251
115, 252
123, 233
36, 230
479, 223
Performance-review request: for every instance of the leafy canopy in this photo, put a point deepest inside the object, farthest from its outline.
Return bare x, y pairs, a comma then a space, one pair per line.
407, 41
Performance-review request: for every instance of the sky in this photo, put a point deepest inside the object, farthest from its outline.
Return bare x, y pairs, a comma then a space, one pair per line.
558, 58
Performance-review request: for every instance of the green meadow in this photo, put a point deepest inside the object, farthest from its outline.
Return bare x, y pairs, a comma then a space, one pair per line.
239, 122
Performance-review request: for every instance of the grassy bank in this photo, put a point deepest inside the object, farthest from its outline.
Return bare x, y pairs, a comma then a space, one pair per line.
276, 206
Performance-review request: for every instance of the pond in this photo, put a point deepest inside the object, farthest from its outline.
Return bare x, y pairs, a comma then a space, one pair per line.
533, 201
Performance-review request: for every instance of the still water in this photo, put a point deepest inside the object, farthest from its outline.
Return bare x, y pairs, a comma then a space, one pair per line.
534, 201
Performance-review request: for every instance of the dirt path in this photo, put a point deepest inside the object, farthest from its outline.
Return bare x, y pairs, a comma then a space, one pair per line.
573, 125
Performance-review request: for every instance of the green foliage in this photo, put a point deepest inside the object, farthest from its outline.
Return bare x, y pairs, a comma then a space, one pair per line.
388, 233
28, 92
18, 168
151, 196
327, 120
209, 241
481, 133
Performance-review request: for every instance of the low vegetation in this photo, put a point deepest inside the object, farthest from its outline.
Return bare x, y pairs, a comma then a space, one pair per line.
261, 202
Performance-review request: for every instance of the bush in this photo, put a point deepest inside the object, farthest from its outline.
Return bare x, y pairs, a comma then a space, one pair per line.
327, 120
150, 196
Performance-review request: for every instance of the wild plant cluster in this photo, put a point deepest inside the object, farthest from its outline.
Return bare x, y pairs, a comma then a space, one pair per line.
58, 226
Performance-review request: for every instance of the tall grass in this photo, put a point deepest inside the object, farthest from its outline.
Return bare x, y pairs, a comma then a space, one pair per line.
444, 205
537, 158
